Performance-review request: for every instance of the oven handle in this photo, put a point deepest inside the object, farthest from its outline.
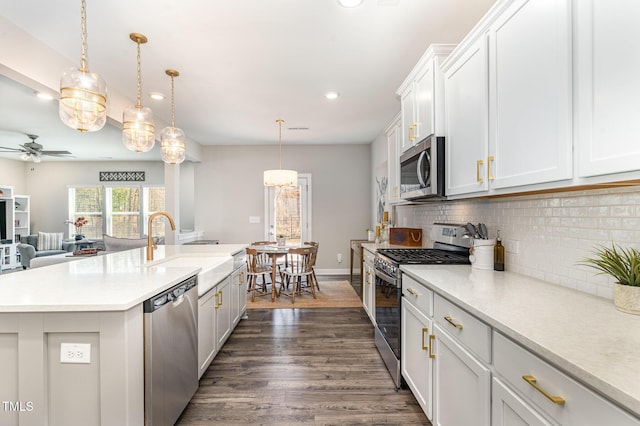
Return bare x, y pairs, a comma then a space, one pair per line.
386, 277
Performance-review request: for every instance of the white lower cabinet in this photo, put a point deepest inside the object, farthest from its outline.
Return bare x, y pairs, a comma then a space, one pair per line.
223, 312
214, 322
550, 391
206, 329
508, 409
417, 366
462, 384
368, 286
238, 294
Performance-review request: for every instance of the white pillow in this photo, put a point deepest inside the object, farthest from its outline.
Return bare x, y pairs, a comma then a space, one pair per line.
49, 240
118, 244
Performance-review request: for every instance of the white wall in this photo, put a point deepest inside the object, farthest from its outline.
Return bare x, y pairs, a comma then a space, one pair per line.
554, 231
47, 184
12, 173
229, 189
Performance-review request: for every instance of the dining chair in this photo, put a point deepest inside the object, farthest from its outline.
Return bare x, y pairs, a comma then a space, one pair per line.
255, 270
300, 268
266, 258
316, 245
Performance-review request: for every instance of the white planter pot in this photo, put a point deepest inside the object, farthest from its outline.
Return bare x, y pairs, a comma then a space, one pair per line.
626, 298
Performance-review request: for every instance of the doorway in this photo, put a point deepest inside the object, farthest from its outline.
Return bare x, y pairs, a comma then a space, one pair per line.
288, 211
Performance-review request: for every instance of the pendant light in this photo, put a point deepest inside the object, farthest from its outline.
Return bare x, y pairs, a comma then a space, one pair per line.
83, 94
172, 143
137, 120
280, 177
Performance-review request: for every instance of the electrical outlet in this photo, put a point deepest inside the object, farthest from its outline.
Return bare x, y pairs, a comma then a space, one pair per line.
339, 257
75, 353
512, 246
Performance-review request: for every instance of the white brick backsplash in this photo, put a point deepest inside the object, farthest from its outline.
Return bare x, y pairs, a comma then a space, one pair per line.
555, 231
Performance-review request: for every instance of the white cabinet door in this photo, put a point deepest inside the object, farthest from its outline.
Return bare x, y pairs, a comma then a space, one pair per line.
416, 363
408, 120
424, 100
607, 70
238, 294
368, 291
223, 312
508, 409
530, 94
466, 120
393, 132
462, 384
206, 330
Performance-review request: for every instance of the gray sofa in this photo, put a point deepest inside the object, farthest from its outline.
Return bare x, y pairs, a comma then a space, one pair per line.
28, 249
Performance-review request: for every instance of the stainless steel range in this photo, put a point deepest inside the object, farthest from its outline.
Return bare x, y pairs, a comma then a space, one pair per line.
450, 247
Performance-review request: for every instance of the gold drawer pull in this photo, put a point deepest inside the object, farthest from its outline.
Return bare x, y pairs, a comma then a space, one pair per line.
489, 161
412, 291
532, 381
450, 321
424, 330
479, 164
432, 337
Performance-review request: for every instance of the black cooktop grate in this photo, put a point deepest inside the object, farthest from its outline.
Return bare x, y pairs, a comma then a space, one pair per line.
425, 256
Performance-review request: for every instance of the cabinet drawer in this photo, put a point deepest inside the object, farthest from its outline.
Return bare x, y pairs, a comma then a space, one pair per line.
367, 256
469, 330
581, 405
418, 294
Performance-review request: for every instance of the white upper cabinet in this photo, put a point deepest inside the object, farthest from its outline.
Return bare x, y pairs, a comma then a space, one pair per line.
422, 96
508, 100
608, 86
466, 116
393, 132
530, 96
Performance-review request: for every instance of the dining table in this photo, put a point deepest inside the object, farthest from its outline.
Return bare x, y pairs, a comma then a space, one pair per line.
275, 251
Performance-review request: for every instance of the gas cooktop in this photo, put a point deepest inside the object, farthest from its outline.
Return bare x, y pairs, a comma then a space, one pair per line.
425, 256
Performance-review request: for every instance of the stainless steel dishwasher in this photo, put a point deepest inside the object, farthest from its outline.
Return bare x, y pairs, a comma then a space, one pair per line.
170, 352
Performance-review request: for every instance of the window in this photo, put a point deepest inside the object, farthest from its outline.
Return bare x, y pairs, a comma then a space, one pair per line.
117, 211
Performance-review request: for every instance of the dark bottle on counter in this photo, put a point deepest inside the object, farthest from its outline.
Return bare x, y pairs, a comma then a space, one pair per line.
498, 254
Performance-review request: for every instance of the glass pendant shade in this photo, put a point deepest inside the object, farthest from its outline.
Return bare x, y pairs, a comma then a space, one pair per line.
172, 138
83, 94
172, 145
137, 120
138, 128
280, 177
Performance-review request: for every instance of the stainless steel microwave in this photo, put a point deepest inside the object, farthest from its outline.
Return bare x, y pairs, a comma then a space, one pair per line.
422, 170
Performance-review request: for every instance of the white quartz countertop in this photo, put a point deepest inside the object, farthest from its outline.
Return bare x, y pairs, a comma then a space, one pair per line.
581, 334
110, 282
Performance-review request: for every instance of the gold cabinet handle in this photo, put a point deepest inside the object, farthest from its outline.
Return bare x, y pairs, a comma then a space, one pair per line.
432, 337
479, 164
424, 330
489, 161
410, 137
241, 278
450, 321
368, 277
412, 291
215, 304
220, 299
555, 399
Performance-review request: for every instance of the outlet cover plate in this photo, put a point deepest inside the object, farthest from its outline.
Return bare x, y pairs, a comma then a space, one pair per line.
75, 353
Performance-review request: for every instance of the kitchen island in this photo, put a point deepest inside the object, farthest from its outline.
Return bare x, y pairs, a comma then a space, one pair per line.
95, 301
581, 335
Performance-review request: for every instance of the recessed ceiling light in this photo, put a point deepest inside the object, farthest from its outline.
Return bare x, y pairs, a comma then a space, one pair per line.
156, 96
44, 96
350, 3
332, 95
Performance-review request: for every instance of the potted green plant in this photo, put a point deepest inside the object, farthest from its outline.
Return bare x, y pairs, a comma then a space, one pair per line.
281, 239
623, 264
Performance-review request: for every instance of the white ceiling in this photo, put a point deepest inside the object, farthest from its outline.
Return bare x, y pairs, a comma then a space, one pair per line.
243, 64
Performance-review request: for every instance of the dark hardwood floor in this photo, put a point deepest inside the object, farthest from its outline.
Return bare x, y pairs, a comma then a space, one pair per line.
301, 366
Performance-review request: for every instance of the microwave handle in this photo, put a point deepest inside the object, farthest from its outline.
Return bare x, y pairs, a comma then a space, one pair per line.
421, 158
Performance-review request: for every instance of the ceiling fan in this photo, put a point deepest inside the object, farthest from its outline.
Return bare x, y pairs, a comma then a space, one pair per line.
33, 151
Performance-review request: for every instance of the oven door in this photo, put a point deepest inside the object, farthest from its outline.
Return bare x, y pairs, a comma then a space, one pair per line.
387, 332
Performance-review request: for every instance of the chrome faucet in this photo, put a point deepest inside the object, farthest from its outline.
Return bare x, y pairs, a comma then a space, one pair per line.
150, 244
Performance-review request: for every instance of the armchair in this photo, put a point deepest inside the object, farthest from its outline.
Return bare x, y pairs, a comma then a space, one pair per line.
28, 249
